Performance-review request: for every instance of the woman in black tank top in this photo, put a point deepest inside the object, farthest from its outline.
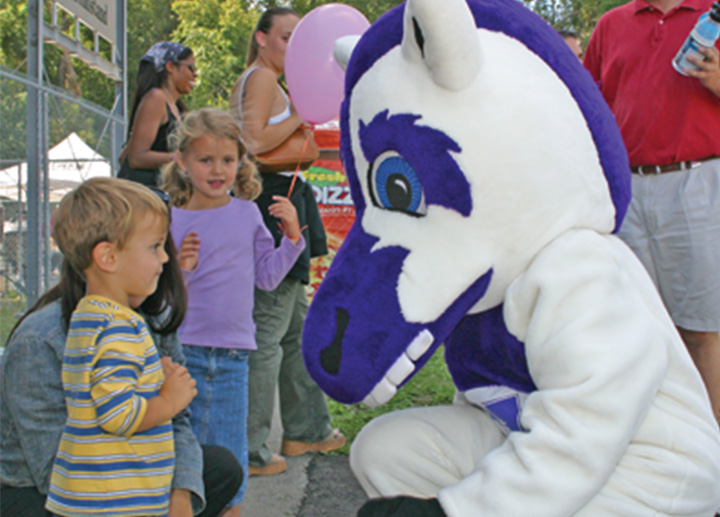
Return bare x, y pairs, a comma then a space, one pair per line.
166, 72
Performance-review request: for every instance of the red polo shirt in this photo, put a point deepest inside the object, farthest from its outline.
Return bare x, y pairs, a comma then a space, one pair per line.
664, 117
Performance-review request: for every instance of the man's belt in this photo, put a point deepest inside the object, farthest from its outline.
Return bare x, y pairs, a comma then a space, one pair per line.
647, 170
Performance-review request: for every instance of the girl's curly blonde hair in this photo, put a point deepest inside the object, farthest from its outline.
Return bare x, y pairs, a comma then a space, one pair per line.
194, 125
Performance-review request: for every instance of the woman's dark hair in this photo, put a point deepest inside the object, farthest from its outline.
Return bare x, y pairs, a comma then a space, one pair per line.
165, 308
148, 79
264, 25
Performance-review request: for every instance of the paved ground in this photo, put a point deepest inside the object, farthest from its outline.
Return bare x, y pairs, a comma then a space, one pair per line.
314, 485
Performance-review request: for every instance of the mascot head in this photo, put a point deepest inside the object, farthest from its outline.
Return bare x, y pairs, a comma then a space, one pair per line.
472, 137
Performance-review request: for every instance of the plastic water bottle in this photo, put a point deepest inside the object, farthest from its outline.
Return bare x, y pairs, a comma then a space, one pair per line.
705, 33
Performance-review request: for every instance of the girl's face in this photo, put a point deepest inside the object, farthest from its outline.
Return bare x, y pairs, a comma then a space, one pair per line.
274, 44
211, 163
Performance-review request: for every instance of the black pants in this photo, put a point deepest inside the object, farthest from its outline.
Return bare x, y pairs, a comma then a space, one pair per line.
222, 476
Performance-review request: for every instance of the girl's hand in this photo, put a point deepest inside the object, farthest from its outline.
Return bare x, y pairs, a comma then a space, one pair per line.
284, 210
188, 252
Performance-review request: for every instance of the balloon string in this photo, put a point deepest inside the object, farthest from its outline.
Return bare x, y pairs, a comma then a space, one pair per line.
302, 153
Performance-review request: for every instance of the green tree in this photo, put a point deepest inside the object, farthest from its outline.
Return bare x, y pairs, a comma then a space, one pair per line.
13, 33
218, 32
372, 10
149, 21
578, 15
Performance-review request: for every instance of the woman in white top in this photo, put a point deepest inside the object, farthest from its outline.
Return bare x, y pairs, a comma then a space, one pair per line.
267, 118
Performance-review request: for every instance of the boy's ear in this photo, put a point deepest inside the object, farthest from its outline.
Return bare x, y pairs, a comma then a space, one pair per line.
103, 255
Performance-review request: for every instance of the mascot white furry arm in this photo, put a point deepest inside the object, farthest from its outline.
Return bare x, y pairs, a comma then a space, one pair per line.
488, 177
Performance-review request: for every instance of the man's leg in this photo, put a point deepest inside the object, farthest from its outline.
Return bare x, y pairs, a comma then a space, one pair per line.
704, 348
222, 477
673, 226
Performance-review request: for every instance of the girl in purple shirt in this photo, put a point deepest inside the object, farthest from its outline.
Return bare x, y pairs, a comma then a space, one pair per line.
226, 251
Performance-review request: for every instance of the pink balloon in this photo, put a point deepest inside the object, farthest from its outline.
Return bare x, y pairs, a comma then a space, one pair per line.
314, 79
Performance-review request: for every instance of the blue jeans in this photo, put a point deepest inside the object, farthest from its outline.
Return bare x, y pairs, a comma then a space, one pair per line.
219, 411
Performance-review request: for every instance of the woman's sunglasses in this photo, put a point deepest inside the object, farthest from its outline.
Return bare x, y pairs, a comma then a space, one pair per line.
190, 67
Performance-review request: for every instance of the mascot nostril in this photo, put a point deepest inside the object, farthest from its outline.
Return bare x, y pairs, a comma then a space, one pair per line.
331, 357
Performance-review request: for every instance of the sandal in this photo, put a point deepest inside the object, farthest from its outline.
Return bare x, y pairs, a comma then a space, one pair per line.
332, 442
276, 466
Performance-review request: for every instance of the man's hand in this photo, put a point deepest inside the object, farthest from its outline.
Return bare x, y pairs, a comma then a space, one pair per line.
402, 506
180, 503
709, 73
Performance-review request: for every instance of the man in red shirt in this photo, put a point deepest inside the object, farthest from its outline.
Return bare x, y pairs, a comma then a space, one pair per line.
671, 127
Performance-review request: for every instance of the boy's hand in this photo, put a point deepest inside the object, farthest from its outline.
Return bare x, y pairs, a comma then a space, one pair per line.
168, 365
284, 210
178, 389
188, 252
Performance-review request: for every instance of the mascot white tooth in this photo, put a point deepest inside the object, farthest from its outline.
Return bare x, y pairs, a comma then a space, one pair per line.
489, 176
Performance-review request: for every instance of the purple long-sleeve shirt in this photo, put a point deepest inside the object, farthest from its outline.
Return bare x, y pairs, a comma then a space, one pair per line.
236, 253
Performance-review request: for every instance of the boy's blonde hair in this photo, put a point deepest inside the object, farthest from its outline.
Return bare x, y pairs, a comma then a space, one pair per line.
220, 124
101, 210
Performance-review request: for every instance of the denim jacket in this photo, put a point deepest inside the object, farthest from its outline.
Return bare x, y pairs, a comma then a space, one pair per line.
32, 412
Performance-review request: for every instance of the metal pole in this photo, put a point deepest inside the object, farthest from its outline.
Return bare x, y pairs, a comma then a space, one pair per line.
34, 151
20, 266
44, 218
118, 131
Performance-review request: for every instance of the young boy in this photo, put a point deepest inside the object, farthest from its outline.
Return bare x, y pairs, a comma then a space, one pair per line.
116, 455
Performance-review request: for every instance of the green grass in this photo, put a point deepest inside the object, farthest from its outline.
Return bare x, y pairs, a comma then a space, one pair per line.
431, 386
12, 303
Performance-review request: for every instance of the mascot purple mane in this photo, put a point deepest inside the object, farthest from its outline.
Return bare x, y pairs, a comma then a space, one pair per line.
488, 177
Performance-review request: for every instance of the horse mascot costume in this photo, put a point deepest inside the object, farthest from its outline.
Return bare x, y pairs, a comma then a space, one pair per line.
488, 177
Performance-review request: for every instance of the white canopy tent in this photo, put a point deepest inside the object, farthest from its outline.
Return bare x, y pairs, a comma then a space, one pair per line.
70, 163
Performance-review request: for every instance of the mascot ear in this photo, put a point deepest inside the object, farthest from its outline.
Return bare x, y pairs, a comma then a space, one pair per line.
343, 49
444, 36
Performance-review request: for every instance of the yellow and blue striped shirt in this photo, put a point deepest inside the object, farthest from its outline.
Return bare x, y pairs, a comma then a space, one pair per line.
103, 467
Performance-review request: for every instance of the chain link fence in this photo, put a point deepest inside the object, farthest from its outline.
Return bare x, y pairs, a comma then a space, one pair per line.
76, 139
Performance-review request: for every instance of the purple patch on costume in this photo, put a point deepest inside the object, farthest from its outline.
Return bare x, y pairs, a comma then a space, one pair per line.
507, 412
482, 352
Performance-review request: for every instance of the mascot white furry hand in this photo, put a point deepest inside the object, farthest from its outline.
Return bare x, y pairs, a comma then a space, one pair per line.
489, 176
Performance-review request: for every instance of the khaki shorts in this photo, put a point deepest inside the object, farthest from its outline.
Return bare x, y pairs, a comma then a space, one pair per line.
673, 226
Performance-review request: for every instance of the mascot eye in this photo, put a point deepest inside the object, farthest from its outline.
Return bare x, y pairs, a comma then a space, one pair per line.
395, 185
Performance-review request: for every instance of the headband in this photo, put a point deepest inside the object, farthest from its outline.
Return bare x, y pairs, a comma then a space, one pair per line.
163, 52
